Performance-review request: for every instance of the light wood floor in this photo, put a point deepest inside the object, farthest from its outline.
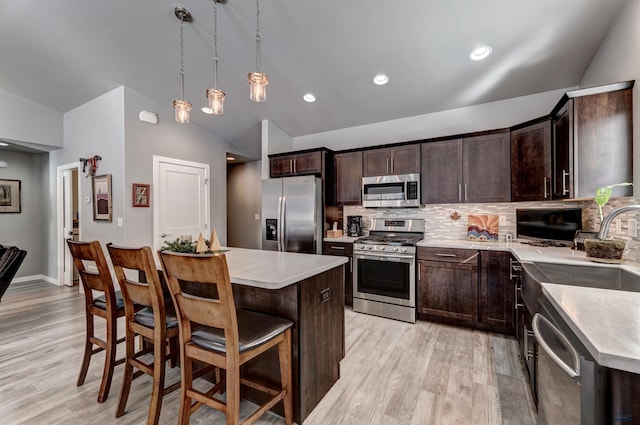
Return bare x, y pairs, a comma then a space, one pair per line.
393, 373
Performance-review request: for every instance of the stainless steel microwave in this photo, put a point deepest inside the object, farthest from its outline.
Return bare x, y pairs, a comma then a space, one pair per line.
397, 191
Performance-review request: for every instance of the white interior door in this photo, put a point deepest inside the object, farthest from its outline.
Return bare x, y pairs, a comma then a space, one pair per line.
68, 207
181, 199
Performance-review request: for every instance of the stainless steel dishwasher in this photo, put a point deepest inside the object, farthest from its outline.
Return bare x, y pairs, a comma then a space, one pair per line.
571, 386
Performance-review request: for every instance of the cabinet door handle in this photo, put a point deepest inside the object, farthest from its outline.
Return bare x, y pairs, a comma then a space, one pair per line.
387, 165
419, 272
393, 166
291, 165
294, 166
544, 183
528, 352
338, 247
517, 305
459, 191
465, 192
565, 190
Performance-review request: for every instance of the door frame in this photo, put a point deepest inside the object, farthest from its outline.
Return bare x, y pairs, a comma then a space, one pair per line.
155, 198
60, 238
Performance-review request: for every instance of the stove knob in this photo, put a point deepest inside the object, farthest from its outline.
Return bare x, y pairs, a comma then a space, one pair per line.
404, 249
395, 248
381, 248
369, 247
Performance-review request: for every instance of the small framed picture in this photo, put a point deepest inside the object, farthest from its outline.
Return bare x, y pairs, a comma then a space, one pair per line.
141, 194
10, 196
102, 208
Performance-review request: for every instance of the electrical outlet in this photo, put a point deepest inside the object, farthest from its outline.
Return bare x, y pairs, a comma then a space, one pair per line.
256, 217
502, 220
618, 226
632, 227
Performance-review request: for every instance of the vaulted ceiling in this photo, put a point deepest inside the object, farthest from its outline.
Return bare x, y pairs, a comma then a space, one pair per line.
62, 54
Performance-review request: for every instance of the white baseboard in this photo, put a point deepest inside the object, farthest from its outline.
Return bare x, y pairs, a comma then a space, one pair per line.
35, 277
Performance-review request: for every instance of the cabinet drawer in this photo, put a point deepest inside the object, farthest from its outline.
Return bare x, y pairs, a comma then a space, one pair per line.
449, 255
341, 249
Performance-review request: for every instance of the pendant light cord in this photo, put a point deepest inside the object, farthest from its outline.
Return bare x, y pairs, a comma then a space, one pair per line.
258, 40
215, 44
181, 59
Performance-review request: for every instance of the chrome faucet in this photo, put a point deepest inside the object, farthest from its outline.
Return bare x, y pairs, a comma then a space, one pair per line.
606, 222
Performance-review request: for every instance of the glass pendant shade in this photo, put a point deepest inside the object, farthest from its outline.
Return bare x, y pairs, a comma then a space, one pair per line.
258, 82
216, 101
182, 108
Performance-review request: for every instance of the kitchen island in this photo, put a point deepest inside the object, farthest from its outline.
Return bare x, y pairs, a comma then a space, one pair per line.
309, 290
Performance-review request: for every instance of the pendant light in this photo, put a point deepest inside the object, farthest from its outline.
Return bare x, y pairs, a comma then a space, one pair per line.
181, 106
215, 95
258, 81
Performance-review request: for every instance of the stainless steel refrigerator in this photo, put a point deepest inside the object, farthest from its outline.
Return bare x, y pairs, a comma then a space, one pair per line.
292, 214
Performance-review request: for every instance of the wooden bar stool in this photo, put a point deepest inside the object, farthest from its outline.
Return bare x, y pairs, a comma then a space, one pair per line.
146, 314
212, 331
96, 276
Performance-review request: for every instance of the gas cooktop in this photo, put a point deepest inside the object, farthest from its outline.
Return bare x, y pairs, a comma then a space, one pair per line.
395, 240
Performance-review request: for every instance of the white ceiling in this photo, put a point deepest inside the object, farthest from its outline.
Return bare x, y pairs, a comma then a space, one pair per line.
62, 54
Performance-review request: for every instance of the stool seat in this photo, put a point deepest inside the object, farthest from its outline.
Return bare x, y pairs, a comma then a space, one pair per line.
101, 303
254, 329
145, 316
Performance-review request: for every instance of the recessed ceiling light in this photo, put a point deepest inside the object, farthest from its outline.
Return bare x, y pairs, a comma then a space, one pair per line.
480, 53
207, 110
4, 144
231, 158
309, 98
380, 79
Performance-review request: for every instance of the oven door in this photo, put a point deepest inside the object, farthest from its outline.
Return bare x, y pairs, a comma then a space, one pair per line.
385, 278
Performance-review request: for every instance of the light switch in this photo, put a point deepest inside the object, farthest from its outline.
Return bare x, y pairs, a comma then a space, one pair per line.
120, 222
256, 217
87, 199
502, 220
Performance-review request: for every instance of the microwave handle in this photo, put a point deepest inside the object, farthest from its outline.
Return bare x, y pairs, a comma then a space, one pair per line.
535, 324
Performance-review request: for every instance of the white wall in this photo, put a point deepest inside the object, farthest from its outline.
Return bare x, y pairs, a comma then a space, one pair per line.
24, 121
274, 140
95, 128
487, 116
181, 141
617, 59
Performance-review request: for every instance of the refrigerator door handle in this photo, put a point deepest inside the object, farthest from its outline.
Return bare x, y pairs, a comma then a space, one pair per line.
283, 226
279, 224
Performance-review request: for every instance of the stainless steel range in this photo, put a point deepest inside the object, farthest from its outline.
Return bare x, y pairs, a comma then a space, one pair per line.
384, 272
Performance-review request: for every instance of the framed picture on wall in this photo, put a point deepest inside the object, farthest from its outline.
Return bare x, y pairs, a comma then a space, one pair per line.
10, 196
101, 188
141, 194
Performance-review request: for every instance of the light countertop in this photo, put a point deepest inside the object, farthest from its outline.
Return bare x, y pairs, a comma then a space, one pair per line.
276, 270
606, 321
343, 239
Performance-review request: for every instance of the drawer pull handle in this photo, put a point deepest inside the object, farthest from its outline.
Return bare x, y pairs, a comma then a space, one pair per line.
338, 247
445, 255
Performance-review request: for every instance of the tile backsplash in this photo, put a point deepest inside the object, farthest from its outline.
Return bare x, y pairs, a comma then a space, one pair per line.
440, 225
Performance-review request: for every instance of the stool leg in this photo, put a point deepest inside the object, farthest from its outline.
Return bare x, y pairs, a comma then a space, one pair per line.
88, 347
284, 353
233, 390
128, 372
159, 359
187, 382
109, 358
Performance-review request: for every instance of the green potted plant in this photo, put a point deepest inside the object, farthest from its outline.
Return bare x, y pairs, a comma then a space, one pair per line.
605, 250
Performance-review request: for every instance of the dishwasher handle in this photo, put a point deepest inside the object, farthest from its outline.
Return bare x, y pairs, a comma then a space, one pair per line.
539, 320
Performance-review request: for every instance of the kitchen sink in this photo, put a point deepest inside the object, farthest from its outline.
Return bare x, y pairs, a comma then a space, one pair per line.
590, 276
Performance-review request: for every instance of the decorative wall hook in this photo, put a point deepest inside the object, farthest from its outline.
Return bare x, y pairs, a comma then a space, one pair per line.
90, 165
455, 216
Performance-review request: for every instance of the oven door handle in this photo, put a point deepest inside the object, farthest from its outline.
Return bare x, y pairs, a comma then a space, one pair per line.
573, 373
383, 257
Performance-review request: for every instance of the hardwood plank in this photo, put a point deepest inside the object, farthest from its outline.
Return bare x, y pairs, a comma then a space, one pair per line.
393, 372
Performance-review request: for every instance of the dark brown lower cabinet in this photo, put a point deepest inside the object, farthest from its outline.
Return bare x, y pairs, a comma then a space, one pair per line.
448, 284
466, 287
496, 290
343, 249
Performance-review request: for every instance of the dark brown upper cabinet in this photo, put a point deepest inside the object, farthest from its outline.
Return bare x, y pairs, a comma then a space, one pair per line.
593, 140
297, 164
404, 159
471, 169
531, 161
348, 178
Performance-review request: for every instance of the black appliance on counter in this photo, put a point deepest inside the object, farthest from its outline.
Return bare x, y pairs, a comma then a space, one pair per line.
550, 224
354, 225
